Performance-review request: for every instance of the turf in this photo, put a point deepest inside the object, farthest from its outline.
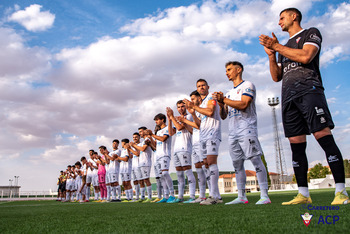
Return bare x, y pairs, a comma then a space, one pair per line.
56, 217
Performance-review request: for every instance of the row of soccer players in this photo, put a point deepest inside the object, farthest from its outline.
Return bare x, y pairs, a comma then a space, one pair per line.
197, 132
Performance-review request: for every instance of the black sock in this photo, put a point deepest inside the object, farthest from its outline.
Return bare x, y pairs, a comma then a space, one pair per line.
334, 157
300, 164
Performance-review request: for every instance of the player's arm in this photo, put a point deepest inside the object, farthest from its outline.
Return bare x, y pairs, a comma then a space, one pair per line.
208, 110
239, 105
219, 96
133, 149
111, 158
160, 138
139, 148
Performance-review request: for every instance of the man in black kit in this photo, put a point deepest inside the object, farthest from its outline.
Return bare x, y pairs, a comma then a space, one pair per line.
304, 106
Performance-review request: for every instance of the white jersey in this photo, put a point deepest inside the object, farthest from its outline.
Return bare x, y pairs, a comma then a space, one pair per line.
114, 165
92, 171
195, 132
183, 139
210, 128
163, 148
83, 169
241, 120
135, 160
125, 167
145, 159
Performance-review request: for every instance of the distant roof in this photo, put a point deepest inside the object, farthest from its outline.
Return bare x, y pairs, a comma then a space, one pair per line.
247, 172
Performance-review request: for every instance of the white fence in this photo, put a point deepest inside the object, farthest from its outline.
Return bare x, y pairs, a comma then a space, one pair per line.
27, 194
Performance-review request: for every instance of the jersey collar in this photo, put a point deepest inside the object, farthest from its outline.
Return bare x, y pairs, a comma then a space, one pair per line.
297, 33
238, 84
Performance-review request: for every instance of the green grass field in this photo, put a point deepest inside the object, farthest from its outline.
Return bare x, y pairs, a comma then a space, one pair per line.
56, 217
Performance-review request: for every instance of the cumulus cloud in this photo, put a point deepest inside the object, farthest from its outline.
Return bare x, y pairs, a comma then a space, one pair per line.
33, 19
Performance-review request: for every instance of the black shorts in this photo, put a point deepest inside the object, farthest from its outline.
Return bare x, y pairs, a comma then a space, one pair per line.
306, 114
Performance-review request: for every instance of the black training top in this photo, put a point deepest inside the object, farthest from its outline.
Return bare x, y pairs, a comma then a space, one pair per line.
297, 78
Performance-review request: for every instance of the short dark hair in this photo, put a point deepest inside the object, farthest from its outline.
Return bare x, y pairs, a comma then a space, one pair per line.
136, 133
235, 63
125, 140
143, 128
95, 153
102, 147
160, 116
180, 102
116, 140
195, 93
69, 166
78, 164
294, 10
92, 150
202, 80
82, 158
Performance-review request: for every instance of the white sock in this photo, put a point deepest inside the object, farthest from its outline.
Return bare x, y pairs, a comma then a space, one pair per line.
201, 182
108, 192
340, 187
304, 191
181, 184
169, 182
143, 190
214, 180
164, 187
159, 188
137, 191
240, 177
261, 174
149, 192
207, 178
87, 197
119, 191
191, 183
67, 196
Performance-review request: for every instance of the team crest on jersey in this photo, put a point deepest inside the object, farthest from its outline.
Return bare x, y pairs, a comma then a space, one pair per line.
306, 218
238, 91
298, 39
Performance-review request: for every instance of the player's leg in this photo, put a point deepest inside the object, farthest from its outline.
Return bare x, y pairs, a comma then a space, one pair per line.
212, 150
296, 128
187, 167
180, 177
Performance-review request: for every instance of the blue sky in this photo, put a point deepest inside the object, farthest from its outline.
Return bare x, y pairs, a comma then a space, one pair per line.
77, 74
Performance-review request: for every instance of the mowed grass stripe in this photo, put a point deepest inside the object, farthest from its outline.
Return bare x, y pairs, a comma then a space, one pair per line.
55, 217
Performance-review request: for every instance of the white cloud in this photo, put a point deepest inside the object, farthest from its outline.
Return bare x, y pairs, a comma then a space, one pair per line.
32, 18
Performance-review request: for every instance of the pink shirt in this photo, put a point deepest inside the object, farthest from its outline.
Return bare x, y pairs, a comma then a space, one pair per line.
101, 168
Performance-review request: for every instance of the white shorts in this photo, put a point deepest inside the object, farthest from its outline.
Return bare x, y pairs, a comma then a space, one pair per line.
107, 178
113, 177
157, 170
209, 147
196, 153
145, 172
136, 174
244, 147
182, 159
69, 185
89, 178
125, 176
95, 180
164, 163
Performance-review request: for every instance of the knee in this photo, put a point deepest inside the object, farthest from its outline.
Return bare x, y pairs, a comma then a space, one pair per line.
238, 165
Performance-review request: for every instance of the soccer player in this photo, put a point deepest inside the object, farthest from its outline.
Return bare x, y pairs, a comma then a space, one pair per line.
182, 150
210, 136
196, 152
91, 176
113, 169
135, 172
125, 169
304, 105
145, 163
162, 156
239, 105
79, 180
101, 162
83, 188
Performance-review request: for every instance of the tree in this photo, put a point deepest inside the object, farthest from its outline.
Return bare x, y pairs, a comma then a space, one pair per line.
318, 171
267, 170
347, 168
